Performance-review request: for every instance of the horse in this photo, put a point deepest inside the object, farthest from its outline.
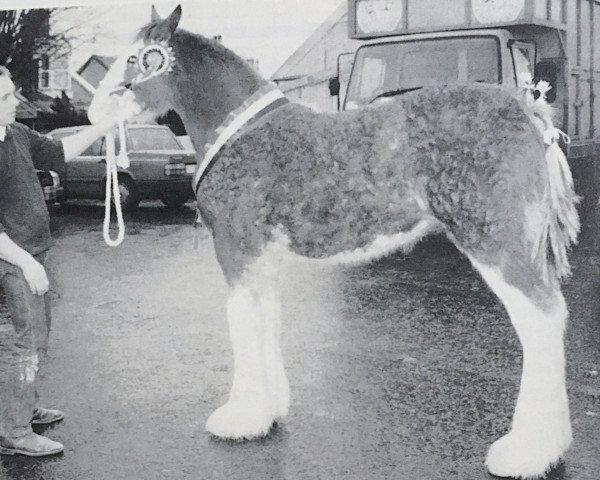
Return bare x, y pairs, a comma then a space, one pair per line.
280, 182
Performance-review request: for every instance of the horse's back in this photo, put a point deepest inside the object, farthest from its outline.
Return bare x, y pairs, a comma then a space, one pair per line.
466, 156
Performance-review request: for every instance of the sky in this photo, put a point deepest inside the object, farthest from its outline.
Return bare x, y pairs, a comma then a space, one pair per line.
266, 30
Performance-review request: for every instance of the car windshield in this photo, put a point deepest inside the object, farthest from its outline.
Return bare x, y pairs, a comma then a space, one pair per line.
153, 139
94, 150
404, 66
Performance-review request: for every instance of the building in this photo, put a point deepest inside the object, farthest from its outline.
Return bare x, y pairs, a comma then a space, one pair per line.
53, 76
304, 76
88, 77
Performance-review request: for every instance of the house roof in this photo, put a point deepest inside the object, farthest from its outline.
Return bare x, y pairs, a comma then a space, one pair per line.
36, 103
287, 69
105, 61
26, 110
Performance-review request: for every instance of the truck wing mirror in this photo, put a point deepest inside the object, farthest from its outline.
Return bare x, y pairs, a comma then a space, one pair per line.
547, 71
334, 86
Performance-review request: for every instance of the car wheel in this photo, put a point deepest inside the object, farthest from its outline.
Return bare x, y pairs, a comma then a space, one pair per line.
130, 197
174, 200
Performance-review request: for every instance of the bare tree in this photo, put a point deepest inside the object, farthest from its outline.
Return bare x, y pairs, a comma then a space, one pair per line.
28, 36
25, 35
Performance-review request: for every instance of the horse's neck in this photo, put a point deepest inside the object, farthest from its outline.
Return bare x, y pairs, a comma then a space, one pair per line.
205, 102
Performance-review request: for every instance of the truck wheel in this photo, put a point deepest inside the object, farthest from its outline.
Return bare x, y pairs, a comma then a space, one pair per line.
130, 197
174, 200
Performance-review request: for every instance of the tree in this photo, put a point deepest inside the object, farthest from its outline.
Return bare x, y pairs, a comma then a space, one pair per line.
25, 36
64, 114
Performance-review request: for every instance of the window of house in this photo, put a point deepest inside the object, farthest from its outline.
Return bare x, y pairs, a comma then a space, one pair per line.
52, 78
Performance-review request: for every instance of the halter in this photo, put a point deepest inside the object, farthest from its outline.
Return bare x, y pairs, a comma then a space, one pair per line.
147, 72
112, 182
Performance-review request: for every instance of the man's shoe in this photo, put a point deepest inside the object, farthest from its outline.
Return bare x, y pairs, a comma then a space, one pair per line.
31, 445
44, 416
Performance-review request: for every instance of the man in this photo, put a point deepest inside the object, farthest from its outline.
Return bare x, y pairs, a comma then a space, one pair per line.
24, 241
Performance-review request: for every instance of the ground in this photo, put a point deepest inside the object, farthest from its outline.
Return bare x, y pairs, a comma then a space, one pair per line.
404, 369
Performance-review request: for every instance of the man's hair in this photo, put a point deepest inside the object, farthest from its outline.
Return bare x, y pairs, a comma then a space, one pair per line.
4, 72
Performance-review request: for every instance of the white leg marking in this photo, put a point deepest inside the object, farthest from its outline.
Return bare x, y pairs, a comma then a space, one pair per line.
247, 414
541, 426
277, 382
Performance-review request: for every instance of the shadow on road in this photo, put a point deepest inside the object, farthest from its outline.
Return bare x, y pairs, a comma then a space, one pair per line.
72, 217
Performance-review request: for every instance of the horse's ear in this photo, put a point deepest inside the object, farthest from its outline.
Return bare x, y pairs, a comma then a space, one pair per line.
165, 28
154, 16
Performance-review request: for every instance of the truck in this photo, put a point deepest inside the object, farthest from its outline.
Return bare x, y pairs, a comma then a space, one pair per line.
409, 44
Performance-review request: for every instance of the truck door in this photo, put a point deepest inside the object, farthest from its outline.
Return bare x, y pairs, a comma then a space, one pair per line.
523, 56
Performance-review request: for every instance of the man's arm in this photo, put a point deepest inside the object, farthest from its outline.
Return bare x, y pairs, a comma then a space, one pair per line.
34, 272
74, 145
125, 108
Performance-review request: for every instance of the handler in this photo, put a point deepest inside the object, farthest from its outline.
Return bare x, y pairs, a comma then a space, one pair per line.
24, 241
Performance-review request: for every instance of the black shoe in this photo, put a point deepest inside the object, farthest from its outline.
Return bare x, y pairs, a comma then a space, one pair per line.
45, 416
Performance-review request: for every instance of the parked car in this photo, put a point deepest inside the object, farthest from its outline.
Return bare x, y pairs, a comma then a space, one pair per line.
160, 168
50, 182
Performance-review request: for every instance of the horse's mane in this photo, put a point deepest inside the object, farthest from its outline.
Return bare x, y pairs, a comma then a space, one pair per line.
192, 47
208, 81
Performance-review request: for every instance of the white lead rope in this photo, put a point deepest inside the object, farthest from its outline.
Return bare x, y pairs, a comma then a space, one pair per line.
112, 185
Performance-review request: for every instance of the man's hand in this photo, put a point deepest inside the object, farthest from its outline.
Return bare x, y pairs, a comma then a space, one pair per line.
127, 106
121, 107
36, 277
33, 271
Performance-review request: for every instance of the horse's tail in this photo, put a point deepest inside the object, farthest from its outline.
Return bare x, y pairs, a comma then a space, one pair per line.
562, 222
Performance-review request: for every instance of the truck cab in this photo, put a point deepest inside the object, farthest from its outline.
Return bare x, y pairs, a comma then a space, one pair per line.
409, 44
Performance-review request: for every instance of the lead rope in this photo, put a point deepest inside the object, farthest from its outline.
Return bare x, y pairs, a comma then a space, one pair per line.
112, 185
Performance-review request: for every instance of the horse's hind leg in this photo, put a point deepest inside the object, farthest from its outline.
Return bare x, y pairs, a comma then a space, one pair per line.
541, 428
260, 391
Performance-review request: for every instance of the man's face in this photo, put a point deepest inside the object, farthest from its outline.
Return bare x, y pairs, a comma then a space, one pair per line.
8, 101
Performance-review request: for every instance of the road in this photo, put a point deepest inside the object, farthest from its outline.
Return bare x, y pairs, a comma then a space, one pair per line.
404, 369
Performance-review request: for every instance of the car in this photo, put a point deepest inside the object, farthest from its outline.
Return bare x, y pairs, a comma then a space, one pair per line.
50, 182
161, 168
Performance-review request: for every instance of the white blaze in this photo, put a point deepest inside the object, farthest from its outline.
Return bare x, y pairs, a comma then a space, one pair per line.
104, 104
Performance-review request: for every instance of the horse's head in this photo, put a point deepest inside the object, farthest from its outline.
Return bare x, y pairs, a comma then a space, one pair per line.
144, 69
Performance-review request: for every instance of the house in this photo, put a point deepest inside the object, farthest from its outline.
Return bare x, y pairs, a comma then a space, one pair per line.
88, 77
304, 76
53, 76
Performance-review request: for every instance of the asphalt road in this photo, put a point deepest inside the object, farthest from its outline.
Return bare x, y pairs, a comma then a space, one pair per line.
404, 369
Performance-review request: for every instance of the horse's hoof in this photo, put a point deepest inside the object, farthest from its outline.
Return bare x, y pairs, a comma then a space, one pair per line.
525, 457
238, 420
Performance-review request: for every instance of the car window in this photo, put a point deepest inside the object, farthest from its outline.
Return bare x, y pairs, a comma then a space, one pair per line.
95, 149
153, 139
102, 144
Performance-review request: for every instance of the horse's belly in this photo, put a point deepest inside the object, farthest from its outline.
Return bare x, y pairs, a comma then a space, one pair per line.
349, 252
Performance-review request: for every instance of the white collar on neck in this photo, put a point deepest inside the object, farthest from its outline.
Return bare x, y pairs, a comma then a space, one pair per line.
235, 121
2, 132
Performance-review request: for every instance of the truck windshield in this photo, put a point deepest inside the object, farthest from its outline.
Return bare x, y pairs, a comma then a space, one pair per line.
403, 66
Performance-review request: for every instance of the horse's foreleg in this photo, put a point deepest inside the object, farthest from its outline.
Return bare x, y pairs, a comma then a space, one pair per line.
277, 382
260, 391
247, 413
541, 427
